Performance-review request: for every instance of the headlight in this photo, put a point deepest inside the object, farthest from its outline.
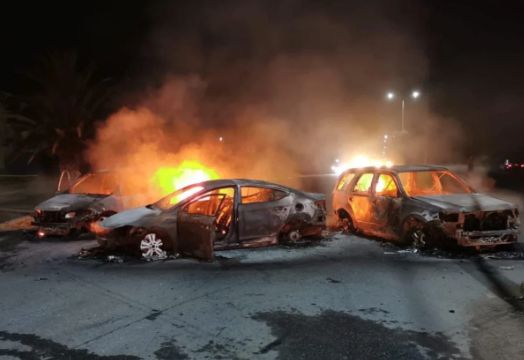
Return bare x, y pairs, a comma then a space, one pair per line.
70, 215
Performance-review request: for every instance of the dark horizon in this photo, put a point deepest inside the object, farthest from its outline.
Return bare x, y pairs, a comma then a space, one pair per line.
465, 59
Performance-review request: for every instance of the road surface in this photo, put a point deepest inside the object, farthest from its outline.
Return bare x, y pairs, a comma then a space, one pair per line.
345, 298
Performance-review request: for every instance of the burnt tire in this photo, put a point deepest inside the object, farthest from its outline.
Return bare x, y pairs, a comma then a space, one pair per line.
417, 236
348, 226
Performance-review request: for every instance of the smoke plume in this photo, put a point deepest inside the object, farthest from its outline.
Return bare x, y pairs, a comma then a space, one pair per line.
288, 85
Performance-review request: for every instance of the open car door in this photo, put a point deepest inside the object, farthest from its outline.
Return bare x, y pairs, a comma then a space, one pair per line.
196, 226
64, 182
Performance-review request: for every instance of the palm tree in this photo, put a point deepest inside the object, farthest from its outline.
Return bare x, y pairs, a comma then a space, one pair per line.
60, 115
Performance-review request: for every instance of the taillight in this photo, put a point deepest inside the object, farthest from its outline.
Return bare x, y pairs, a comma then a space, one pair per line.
321, 204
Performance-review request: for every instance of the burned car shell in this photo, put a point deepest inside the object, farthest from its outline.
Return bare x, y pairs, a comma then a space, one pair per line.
68, 211
252, 224
469, 219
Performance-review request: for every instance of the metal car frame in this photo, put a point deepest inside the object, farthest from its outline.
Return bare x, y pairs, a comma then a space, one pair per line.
252, 225
404, 217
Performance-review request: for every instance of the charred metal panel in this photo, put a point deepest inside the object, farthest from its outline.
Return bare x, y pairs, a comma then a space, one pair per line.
196, 235
258, 220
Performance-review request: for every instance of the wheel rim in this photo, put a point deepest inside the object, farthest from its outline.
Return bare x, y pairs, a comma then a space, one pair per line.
151, 248
419, 239
294, 235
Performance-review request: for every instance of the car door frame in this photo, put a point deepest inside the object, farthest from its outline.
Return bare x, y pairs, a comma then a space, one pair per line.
271, 235
207, 237
387, 223
363, 223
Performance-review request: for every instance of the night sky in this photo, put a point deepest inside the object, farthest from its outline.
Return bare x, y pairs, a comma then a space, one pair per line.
473, 54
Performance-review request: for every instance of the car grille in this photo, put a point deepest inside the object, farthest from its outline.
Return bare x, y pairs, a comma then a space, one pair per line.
494, 220
51, 217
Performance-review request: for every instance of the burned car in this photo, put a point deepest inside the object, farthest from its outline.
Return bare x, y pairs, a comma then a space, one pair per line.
217, 215
424, 205
79, 204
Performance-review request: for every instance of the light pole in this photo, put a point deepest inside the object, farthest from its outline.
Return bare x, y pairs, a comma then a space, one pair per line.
391, 96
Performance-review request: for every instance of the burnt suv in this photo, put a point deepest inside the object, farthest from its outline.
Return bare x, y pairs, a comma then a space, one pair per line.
424, 205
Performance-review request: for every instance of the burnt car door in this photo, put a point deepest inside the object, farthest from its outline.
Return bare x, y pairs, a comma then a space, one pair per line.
262, 212
384, 205
359, 201
203, 221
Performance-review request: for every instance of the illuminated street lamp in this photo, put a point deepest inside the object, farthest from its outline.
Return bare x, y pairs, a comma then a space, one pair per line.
415, 95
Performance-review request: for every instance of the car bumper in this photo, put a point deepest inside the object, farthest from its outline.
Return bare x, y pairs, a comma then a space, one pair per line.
45, 228
486, 238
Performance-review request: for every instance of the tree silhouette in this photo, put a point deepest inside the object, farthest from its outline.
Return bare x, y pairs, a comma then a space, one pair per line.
60, 114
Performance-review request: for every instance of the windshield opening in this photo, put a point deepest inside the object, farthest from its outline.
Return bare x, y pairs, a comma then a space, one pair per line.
95, 184
419, 183
174, 198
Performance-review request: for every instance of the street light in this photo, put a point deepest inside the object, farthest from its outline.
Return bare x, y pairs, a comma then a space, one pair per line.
415, 94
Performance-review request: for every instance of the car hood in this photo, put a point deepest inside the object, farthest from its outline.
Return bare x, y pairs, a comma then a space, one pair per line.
69, 202
466, 202
316, 196
141, 216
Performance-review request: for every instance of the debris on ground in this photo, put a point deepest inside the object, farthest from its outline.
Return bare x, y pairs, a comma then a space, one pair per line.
114, 259
408, 251
305, 243
161, 256
40, 279
506, 267
452, 311
503, 255
21, 223
387, 244
91, 253
390, 253
522, 288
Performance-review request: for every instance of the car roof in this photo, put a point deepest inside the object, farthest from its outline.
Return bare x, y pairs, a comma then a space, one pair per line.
242, 182
399, 168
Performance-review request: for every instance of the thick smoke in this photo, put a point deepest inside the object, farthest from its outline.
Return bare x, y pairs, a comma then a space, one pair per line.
289, 86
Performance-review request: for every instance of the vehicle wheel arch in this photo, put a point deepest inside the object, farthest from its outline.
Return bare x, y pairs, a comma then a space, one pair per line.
292, 229
342, 215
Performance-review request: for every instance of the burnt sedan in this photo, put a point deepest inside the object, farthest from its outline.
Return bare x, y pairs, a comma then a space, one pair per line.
79, 204
217, 215
424, 205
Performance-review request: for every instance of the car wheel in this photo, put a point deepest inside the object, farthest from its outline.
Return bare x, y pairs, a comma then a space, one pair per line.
419, 238
294, 236
348, 226
152, 248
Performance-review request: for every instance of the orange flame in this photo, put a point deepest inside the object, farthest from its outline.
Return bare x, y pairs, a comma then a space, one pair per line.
170, 179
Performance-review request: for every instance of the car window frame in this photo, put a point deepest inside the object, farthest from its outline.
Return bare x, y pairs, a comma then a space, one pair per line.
347, 181
286, 194
186, 206
375, 181
369, 192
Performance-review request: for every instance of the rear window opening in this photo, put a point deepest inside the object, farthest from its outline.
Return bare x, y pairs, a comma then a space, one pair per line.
420, 183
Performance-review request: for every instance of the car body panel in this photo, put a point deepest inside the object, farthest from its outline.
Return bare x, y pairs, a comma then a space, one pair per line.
472, 219
84, 209
232, 225
265, 219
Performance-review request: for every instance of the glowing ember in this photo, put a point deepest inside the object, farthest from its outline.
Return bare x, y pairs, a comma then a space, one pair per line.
170, 179
41, 233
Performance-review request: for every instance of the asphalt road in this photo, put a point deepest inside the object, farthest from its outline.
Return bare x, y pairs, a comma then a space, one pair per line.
345, 298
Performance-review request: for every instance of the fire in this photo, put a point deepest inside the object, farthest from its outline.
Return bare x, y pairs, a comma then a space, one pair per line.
360, 162
170, 179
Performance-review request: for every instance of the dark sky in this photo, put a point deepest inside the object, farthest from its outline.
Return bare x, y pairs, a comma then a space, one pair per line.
473, 71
